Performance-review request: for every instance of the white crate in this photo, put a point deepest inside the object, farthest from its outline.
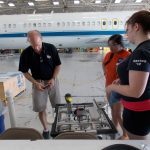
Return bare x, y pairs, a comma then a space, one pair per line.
14, 81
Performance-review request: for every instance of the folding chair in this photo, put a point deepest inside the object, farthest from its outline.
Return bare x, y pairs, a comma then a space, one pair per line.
21, 134
75, 135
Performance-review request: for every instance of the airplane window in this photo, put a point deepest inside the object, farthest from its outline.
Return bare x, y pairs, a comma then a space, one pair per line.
93, 23
39, 24
49, 24
14, 25
63, 24
115, 22
58, 24
34, 24
88, 23
73, 23
9, 26
104, 23
68, 23
24, 25
78, 23
5, 26
29, 25
83, 23
44, 24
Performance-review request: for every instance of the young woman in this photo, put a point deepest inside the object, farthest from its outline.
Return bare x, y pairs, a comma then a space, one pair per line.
134, 74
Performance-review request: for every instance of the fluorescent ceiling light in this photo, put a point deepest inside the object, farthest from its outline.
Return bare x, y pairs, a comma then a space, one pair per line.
76, 1
11, 4
56, 3
1, 2
117, 1
30, 3
97, 1
138, 1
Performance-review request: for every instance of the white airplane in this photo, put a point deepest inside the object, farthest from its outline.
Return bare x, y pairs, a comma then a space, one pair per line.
64, 30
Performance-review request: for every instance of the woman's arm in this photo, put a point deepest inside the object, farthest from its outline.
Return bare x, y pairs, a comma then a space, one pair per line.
137, 84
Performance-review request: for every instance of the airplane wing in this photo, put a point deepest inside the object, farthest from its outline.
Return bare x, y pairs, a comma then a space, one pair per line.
100, 41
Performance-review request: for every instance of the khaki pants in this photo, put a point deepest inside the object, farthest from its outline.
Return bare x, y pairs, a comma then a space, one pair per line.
40, 97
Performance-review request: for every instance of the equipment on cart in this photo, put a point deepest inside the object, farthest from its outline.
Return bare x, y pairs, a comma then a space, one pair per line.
68, 99
81, 117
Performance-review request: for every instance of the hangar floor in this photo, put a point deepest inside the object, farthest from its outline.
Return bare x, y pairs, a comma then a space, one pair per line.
81, 76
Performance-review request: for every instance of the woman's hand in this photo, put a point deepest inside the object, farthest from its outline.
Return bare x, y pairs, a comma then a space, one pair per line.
108, 91
117, 81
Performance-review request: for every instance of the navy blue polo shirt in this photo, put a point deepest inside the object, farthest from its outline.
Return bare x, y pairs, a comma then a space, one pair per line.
41, 65
139, 60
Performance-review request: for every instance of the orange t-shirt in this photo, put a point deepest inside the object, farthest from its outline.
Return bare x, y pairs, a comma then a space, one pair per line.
111, 67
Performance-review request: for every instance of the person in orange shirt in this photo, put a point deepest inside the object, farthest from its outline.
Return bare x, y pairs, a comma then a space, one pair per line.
116, 55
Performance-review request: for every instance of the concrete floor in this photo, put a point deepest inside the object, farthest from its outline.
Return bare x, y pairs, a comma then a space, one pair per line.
81, 75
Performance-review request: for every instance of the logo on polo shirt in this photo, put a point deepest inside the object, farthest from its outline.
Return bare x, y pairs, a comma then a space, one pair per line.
48, 56
139, 62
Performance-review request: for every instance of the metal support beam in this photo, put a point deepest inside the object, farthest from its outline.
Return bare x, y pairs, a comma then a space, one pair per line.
108, 7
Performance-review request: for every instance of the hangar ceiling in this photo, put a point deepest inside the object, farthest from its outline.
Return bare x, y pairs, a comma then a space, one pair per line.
47, 6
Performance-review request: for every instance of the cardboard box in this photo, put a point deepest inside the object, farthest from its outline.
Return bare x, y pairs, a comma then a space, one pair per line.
14, 81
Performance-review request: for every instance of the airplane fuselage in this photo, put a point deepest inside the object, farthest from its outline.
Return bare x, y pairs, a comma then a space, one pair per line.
64, 30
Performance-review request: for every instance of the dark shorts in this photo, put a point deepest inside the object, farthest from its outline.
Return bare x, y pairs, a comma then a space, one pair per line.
136, 122
114, 98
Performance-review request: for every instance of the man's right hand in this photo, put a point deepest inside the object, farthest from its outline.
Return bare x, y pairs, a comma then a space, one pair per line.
39, 86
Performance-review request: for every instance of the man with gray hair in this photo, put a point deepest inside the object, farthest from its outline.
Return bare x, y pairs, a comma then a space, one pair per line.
44, 62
